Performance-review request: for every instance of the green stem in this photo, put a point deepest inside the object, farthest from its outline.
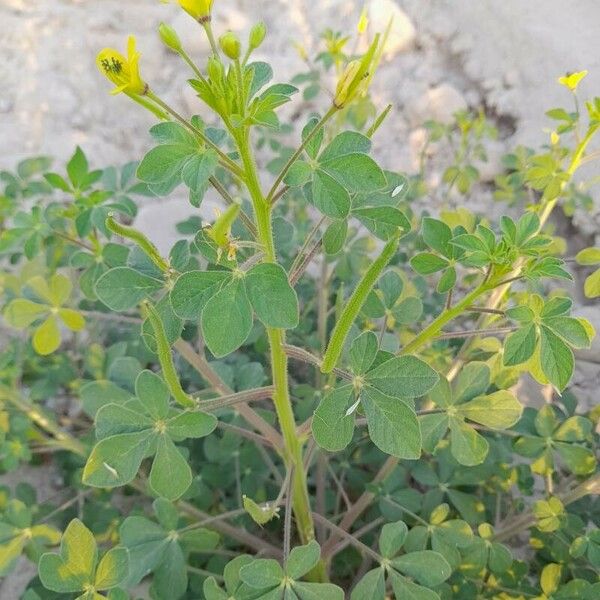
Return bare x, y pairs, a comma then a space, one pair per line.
292, 453
211, 38
434, 328
355, 303
273, 191
225, 160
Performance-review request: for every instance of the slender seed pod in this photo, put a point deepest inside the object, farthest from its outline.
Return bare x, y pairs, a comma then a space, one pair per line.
354, 305
163, 350
141, 240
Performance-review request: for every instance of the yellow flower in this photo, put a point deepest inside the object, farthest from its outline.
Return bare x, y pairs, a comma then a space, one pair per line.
123, 72
571, 80
199, 9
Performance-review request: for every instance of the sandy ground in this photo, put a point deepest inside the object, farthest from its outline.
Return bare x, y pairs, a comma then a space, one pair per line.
444, 55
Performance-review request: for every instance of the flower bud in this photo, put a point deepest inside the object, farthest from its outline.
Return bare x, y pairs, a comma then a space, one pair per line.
257, 35
230, 44
169, 37
356, 77
215, 70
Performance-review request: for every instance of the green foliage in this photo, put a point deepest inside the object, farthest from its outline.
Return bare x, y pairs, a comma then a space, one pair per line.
213, 411
78, 568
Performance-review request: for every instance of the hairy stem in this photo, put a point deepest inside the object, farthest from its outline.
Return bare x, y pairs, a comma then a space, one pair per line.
292, 453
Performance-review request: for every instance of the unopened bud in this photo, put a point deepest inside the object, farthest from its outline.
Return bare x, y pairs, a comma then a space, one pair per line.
230, 44
169, 37
257, 35
215, 69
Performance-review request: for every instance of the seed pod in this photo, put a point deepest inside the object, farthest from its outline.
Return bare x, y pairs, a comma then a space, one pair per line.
163, 350
140, 239
354, 305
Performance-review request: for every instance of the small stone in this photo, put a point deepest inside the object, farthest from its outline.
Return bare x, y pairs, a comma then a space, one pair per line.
439, 103
403, 32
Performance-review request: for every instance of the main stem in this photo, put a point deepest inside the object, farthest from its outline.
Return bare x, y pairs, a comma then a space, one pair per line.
292, 454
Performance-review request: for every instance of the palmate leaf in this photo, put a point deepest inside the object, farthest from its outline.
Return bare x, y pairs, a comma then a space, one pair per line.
467, 400
153, 548
140, 428
77, 568
224, 303
411, 574
545, 338
266, 579
385, 397
567, 440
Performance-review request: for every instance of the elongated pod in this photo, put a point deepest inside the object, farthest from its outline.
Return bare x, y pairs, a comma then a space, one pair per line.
358, 298
163, 350
140, 239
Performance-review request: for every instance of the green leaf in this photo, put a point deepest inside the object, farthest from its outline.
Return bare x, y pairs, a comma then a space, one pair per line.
371, 586
407, 590
427, 567
498, 410
190, 425
199, 169
115, 460
362, 352
272, 297
588, 257
347, 142
227, 319
556, 358
468, 447
113, 419
74, 568
571, 330
123, 288
403, 377
299, 174
335, 236
437, 235
153, 394
317, 591
356, 172
192, 291
302, 559
447, 280
579, 460
170, 476
262, 573
591, 287
393, 425
426, 263
146, 542
382, 221
46, 338
329, 196
473, 380
332, 427
21, 313
112, 569
391, 538
520, 345
77, 168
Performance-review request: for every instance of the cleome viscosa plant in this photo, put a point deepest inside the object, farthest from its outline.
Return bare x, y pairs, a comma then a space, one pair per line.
315, 394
